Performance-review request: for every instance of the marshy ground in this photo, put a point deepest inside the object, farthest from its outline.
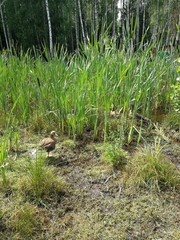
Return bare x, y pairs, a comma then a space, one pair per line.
95, 202
121, 179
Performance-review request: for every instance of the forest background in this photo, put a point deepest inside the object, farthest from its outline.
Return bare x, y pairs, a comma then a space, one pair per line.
133, 23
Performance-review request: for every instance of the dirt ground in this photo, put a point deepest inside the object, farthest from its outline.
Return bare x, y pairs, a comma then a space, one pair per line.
97, 205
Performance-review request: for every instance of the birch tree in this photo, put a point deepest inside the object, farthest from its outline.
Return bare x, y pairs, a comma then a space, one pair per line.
137, 21
123, 19
114, 17
95, 17
81, 22
5, 26
144, 18
76, 24
49, 27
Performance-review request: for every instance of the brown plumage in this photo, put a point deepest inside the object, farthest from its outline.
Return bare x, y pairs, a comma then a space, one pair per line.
49, 143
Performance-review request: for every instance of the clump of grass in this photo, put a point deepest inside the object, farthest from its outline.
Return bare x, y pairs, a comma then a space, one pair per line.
40, 181
149, 168
114, 155
69, 143
114, 152
161, 133
22, 219
172, 121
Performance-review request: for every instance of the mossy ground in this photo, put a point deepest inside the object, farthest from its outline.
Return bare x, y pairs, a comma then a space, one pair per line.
95, 204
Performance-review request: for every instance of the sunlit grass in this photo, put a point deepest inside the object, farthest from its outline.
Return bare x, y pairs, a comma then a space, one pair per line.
21, 220
39, 181
150, 168
75, 91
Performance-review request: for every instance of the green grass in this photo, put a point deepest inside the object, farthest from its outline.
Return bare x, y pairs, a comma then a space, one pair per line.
39, 181
76, 91
149, 168
114, 155
172, 121
24, 221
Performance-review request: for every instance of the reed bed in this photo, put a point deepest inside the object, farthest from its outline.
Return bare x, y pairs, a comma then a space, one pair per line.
76, 91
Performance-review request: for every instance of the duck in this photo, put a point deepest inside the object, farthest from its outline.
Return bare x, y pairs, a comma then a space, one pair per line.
49, 143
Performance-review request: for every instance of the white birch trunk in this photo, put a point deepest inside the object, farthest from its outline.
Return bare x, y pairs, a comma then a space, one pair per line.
81, 21
76, 24
96, 18
50, 28
4, 25
137, 21
106, 13
114, 18
122, 21
155, 30
144, 19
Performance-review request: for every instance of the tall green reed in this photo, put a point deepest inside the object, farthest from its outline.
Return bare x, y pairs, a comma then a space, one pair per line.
3, 162
76, 91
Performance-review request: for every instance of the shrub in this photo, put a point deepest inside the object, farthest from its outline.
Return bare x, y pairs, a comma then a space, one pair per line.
174, 97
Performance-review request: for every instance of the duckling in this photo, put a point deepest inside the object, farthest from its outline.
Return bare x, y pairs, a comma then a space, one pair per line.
112, 111
49, 143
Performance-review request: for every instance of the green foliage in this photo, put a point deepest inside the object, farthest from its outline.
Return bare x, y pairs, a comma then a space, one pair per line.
114, 152
175, 94
149, 168
114, 155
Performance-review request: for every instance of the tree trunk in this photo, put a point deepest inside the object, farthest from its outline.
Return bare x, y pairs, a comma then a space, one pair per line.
144, 19
5, 27
123, 21
95, 19
114, 18
106, 13
85, 19
50, 29
137, 22
168, 22
155, 30
76, 24
81, 21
